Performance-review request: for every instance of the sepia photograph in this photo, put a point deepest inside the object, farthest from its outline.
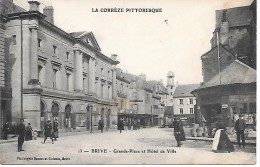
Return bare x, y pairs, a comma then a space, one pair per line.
128, 82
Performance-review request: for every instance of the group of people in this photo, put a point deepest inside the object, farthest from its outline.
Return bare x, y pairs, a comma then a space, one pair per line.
25, 133
50, 131
120, 125
221, 142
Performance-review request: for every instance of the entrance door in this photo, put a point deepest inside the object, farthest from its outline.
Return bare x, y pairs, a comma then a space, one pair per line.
108, 118
67, 119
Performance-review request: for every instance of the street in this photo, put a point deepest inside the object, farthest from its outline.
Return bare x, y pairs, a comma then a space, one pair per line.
144, 146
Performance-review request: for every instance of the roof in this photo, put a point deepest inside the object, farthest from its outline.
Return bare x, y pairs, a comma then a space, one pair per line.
78, 34
236, 73
162, 88
239, 16
185, 90
122, 76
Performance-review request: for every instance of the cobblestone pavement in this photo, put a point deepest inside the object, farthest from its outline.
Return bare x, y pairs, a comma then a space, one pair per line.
145, 146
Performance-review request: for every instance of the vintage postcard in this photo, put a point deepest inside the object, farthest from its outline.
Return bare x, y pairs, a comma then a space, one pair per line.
163, 82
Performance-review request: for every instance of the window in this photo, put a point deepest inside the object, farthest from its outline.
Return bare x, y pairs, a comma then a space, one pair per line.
102, 70
181, 110
54, 49
171, 100
54, 83
40, 74
14, 39
171, 93
191, 111
68, 82
68, 55
109, 94
171, 87
39, 42
147, 97
181, 101
191, 101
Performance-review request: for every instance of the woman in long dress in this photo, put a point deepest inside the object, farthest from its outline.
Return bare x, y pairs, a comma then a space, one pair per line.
221, 142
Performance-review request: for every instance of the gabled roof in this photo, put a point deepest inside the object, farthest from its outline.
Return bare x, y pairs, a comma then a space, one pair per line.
162, 88
239, 16
78, 34
82, 35
221, 46
236, 73
185, 90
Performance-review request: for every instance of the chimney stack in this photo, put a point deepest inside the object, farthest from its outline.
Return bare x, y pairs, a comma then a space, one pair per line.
34, 5
48, 11
113, 57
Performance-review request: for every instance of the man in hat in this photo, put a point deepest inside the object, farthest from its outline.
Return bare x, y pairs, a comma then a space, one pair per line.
48, 131
178, 131
240, 127
21, 134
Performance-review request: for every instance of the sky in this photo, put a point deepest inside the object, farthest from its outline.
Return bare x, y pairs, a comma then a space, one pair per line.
148, 43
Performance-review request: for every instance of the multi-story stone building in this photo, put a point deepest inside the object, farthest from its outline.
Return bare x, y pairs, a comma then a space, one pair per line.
184, 102
236, 30
160, 96
229, 75
58, 75
123, 85
6, 6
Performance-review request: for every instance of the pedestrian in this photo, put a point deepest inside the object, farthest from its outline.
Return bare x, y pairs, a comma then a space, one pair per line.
138, 125
29, 130
221, 142
55, 129
178, 131
240, 127
100, 126
120, 125
5, 130
48, 131
21, 134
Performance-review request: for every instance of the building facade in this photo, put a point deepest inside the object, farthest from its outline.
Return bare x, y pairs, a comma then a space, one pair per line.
58, 75
160, 97
229, 75
123, 85
236, 28
184, 103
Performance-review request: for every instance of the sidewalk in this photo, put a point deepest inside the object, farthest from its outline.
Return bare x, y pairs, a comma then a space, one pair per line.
250, 140
61, 134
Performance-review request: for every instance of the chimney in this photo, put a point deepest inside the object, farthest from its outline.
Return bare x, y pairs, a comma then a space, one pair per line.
48, 11
113, 57
34, 5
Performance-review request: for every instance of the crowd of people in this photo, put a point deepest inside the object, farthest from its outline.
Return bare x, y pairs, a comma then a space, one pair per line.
221, 142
